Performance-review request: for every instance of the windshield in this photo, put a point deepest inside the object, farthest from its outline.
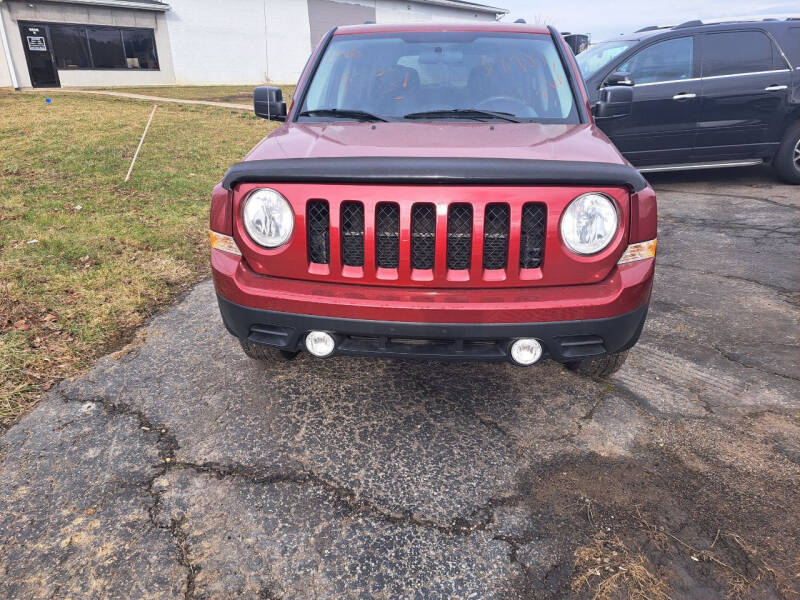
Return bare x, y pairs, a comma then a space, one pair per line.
599, 55
440, 75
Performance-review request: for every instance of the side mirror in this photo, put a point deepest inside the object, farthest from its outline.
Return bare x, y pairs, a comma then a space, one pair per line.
615, 102
268, 103
618, 78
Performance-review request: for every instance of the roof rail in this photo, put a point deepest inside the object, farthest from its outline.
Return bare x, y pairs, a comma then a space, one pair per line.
694, 23
648, 28
520, 21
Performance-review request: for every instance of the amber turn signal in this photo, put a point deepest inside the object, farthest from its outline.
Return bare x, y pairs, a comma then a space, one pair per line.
638, 251
223, 242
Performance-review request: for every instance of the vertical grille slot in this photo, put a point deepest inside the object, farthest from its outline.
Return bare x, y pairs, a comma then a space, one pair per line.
318, 231
459, 236
495, 236
532, 234
351, 227
423, 236
387, 235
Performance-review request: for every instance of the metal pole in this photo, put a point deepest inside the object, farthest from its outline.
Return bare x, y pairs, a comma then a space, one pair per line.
141, 141
4, 41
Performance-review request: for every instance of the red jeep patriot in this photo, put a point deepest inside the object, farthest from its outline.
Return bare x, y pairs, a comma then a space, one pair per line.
439, 192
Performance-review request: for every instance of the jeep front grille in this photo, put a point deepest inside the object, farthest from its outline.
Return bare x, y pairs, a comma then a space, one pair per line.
532, 230
442, 241
459, 236
495, 236
387, 235
318, 231
423, 236
351, 226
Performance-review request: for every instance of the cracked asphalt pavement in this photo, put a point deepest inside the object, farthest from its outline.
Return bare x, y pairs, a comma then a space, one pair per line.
178, 468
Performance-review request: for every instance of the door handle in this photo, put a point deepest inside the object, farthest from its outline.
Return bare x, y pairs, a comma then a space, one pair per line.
684, 96
775, 88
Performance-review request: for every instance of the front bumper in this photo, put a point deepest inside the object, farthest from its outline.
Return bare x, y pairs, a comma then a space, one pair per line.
572, 322
563, 341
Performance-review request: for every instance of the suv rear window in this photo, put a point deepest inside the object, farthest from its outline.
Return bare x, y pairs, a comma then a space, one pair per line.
392, 75
736, 52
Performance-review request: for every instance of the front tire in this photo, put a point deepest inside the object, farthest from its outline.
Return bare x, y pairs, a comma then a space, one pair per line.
602, 366
265, 353
787, 159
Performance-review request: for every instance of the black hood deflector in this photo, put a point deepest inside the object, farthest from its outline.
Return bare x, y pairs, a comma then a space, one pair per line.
434, 171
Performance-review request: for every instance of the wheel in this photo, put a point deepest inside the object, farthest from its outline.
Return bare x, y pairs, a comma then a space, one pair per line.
602, 366
787, 159
265, 353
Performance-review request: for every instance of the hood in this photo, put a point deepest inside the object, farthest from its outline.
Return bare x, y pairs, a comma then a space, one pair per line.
534, 141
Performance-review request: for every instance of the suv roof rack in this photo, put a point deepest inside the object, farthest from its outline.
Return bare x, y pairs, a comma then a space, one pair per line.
694, 23
726, 20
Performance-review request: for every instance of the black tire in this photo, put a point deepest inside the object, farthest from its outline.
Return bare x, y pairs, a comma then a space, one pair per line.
602, 366
265, 353
787, 159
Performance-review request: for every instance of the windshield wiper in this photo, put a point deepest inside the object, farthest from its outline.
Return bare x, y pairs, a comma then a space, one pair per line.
343, 113
463, 113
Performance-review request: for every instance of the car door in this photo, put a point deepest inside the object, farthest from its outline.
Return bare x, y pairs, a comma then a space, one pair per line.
662, 123
745, 89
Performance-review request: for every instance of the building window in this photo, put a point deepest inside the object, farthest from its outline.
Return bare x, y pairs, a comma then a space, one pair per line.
106, 47
140, 48
70, 46
98, 47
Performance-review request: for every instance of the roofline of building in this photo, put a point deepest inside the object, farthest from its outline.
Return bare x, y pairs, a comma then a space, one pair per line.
153, 6
485, 8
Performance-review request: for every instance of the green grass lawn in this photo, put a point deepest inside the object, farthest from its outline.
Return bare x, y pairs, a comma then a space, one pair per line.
84, 256
236, 94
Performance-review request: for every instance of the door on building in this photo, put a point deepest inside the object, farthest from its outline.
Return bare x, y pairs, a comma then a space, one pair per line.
39, 54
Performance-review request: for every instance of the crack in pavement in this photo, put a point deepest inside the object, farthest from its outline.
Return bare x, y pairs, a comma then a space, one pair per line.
481, 519
737, 196
781, 290
728, 227
732, 358
167, 445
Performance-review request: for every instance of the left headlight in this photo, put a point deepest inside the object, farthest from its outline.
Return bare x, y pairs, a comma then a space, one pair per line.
268, 218
589, 223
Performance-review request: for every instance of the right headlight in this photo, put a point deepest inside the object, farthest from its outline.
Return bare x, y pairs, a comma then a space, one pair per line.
589, 223
268, 218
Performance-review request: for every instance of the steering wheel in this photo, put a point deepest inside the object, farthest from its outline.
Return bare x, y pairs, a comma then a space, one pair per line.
508, 104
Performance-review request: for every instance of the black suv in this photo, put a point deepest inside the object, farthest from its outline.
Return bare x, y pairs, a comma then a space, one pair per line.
704, 94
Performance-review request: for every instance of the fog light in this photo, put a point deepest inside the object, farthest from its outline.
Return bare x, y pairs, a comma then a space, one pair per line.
526, 351
320, 344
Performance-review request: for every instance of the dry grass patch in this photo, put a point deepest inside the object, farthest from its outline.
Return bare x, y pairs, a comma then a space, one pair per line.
85, 257
610, 570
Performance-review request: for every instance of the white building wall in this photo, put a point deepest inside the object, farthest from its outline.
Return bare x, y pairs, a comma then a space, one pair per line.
240, 42
5, 75
404, 11
289, 35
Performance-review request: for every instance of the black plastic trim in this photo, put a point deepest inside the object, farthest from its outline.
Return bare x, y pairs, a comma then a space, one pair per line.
564, 341
580, 104
301, 97
434, 171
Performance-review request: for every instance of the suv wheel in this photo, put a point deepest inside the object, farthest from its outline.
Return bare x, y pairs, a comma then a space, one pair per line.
265, 353
787, 160
602, 366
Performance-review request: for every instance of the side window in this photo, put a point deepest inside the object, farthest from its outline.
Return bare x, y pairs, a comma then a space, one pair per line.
792, 49
737, 52
669, 60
